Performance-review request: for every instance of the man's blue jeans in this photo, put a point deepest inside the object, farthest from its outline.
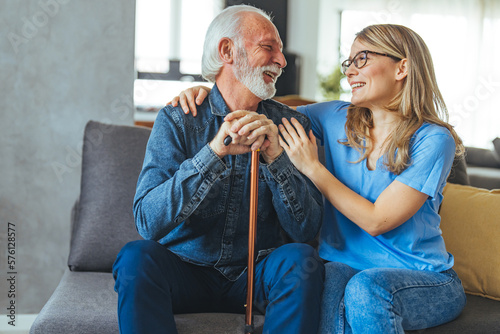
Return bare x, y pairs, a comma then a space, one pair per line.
153, 284
388, 300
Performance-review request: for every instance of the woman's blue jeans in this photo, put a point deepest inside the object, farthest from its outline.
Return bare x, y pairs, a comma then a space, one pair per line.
388, 300
153, 284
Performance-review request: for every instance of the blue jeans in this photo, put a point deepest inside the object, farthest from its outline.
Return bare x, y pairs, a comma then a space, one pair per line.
153, 284
386, 301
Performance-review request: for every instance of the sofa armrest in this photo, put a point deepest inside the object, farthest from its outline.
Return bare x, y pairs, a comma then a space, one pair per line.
482, 157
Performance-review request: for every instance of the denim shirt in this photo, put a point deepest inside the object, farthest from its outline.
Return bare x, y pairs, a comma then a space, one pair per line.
197, 204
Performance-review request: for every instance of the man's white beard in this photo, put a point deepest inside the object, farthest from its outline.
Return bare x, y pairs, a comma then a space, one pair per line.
252, 77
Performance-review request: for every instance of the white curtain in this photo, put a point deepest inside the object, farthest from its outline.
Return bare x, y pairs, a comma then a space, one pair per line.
463, 37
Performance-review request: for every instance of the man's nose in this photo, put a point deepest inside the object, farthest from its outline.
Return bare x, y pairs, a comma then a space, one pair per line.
280, 60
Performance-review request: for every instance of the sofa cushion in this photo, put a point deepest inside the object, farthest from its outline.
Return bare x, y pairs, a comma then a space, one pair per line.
480, 315
112, 159
471, 230
85, 303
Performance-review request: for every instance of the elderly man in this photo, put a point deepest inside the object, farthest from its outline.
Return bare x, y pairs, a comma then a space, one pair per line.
191, 203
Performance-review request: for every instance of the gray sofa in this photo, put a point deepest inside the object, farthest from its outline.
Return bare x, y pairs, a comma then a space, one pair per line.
85, 302
483, 166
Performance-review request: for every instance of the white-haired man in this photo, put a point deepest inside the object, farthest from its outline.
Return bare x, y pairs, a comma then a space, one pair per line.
191, 203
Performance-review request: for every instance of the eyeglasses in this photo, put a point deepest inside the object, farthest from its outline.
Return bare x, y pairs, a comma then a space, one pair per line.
360, 59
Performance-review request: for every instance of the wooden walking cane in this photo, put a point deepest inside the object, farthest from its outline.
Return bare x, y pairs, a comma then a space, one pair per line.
252, 232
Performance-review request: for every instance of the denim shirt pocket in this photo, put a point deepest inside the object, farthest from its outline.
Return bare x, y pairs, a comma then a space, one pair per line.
215, 201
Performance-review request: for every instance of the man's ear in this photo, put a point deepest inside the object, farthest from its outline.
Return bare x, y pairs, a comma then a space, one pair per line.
226, 48
402, 70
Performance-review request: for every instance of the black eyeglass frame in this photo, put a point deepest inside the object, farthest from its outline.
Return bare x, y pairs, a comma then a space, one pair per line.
346, 63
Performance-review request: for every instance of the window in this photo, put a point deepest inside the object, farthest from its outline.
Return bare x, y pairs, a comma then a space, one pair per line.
168, 48
461, 36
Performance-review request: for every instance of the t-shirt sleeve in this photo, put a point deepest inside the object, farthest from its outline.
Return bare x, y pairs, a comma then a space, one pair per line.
432, 156
318, 113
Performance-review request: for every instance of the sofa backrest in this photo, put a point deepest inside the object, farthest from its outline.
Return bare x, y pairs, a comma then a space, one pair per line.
103, 223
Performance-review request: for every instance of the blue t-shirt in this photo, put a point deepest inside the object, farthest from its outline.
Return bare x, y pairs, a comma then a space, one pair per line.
417, 243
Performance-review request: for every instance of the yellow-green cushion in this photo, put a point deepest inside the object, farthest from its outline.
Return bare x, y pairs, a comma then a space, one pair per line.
470, 220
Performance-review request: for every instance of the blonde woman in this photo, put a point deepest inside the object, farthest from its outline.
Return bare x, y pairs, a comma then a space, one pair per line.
388, 155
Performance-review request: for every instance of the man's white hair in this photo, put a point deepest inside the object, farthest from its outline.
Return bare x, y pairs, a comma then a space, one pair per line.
225, 25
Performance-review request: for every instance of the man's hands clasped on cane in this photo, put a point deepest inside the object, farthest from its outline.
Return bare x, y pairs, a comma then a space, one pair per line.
248, 131
228, 142
260, 129
249, 125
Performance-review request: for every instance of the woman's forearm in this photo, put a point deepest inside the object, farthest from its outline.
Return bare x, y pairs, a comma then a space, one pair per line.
393, 207
355, 207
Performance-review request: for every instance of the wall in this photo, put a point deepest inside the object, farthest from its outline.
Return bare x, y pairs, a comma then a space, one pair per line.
303, 19
62, 63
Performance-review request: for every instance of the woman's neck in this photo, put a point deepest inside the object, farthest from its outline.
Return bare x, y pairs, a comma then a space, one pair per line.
384, 123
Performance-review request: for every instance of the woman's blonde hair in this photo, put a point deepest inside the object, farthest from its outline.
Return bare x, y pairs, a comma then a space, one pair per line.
419, 101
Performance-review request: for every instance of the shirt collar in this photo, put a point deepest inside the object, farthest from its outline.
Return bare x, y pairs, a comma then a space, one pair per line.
217, 103
219, 107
